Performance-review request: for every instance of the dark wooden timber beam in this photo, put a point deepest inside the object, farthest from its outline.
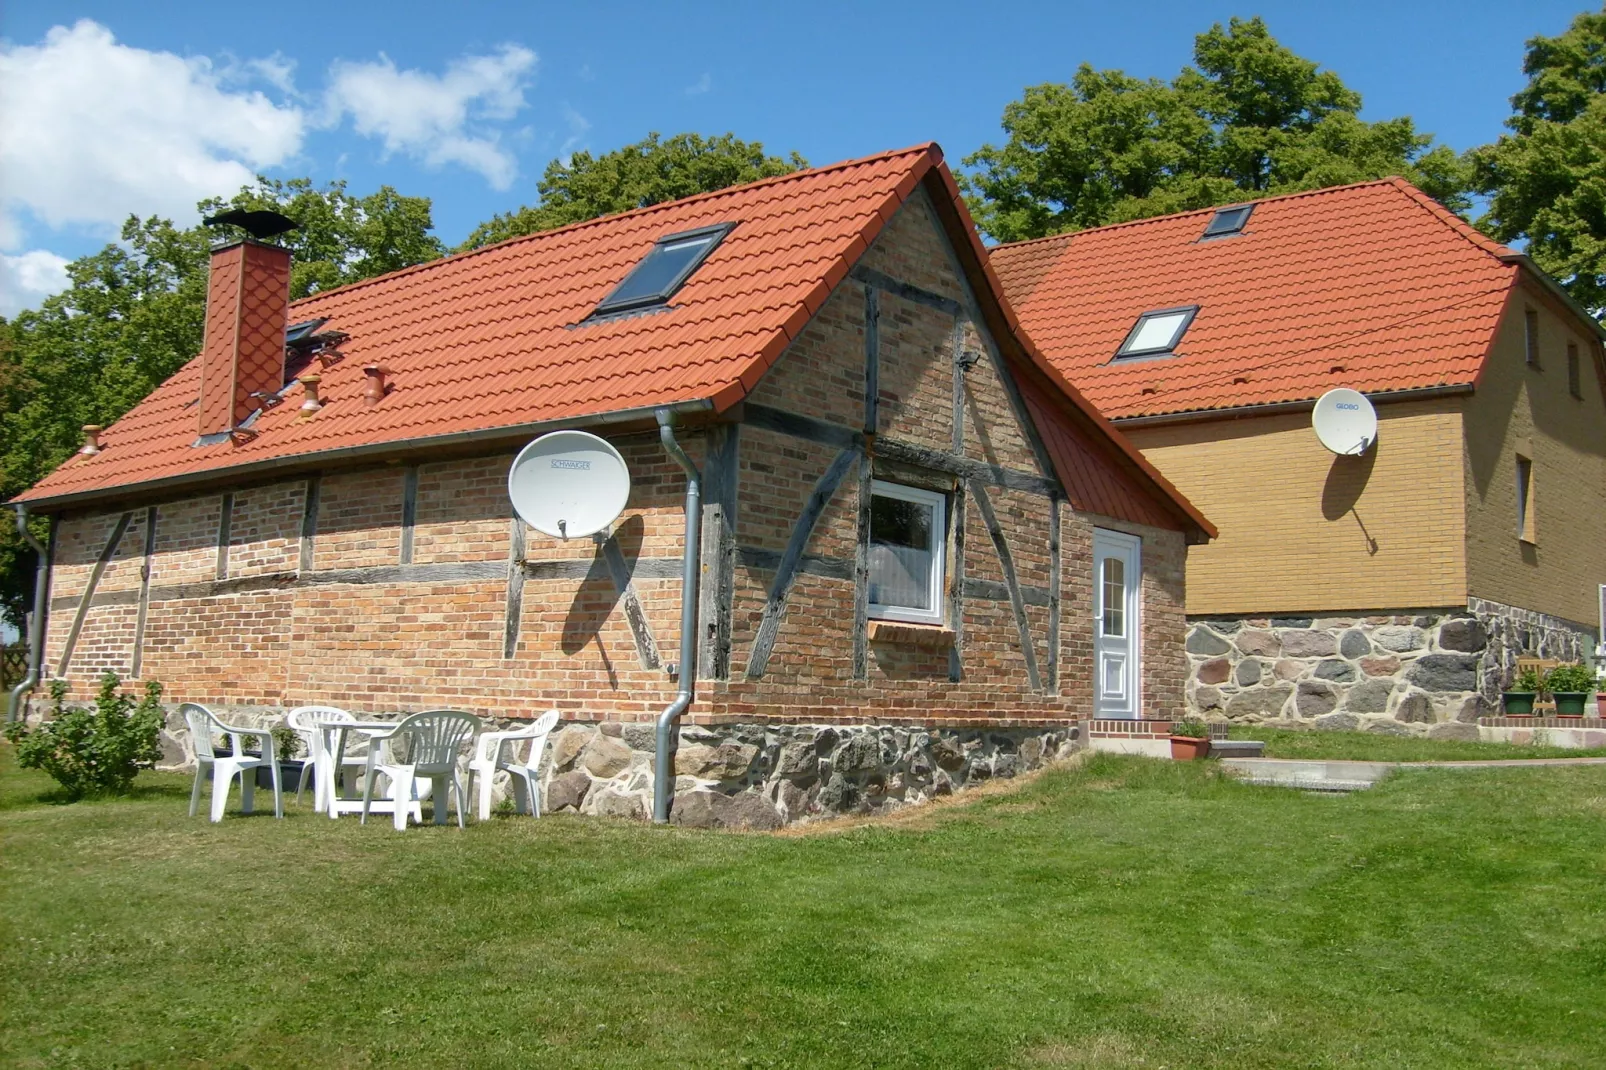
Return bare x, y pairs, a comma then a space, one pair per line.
720, 475
786, 572
225, 521
137, 657
881, 281
409, 516
635, 616
1054, 596
88, 597
515, 588
1006, 560
826, 433
309, 521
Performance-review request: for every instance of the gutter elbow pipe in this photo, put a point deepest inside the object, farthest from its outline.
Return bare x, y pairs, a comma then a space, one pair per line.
663, 767
36, 624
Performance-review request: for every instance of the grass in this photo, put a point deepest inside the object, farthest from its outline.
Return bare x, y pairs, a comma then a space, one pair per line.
1376, 747
1125, 913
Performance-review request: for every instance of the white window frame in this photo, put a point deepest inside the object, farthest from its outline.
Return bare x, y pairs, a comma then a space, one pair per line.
939, 552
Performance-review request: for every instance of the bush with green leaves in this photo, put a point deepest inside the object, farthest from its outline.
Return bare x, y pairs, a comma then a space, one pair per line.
1570, 679
1527, 682
96, 750
1190, 728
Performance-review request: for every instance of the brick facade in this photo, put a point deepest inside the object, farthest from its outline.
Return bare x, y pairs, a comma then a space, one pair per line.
388, 588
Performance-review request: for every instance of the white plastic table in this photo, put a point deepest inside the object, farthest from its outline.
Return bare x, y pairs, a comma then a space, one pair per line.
330, 738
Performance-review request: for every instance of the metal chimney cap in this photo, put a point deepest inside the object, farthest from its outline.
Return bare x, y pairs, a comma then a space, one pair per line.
260, 223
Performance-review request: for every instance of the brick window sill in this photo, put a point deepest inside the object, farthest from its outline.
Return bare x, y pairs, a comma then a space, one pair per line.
934, 636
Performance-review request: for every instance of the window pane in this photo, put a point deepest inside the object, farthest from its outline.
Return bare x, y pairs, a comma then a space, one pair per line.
1114, 597
901, 545
656, 273
1157, 332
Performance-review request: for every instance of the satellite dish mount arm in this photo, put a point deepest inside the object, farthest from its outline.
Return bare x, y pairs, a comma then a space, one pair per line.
663, 772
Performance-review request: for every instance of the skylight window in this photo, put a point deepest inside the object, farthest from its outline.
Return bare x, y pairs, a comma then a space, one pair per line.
664, 270
1228, 221
297, 333
1157, 332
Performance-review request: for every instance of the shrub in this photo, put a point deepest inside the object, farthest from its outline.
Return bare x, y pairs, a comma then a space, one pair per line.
1570, 679
1527, 681
94, 751
285, 742
1190, 728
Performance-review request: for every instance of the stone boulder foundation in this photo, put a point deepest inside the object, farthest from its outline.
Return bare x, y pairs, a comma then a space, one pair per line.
1400, 671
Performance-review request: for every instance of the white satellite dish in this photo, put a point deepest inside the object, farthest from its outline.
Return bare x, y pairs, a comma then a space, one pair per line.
1345, 422
568, 484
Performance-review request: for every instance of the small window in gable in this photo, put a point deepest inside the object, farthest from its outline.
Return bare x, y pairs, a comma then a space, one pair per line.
1525, 500
664, 270
1228, 221
1530, 336
1575, 374
1157, 332
907, 536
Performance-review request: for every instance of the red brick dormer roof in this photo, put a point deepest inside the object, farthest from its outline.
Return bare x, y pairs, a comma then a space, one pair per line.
491, 345
1373, 286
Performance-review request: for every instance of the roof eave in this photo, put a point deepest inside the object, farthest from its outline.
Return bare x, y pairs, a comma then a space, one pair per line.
1272, 408
376, 451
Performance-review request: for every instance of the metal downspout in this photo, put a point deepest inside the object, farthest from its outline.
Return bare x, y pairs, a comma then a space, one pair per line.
663, 764
36, 624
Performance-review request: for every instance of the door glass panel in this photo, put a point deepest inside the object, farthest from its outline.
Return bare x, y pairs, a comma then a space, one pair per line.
1114, 623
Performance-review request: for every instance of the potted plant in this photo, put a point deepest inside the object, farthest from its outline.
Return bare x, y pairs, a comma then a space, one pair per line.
1571, 686
285, 744
1519, 701
1190, 739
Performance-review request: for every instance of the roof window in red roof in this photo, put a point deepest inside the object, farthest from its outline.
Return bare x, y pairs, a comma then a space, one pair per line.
1157, 333
664, 270
1228, 222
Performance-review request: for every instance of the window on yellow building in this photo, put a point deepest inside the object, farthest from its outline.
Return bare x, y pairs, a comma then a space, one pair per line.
1530, 328
1575, 383
1525, 499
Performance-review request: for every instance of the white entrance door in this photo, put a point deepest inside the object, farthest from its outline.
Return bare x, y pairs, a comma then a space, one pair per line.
1117, 656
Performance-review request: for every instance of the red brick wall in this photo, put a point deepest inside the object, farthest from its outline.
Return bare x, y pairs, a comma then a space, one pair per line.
272, 636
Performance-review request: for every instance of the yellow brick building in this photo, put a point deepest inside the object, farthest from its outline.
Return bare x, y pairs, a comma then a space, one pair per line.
1399, 585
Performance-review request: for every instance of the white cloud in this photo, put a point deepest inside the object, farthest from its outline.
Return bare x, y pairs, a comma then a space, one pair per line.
92, 130
438, 119
701, 86
29, 278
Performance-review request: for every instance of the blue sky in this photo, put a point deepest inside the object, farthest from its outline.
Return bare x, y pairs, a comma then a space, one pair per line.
118, 108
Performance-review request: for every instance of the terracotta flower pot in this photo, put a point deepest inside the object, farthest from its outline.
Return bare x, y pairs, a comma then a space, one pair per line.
1600, 705
1186, 748
1518, 703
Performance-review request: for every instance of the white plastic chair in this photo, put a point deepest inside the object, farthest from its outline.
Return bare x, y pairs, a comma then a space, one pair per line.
203, 725
432, 740
526, 781
304, 720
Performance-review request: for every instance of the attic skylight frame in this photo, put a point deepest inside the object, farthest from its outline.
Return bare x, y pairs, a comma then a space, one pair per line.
614, 304
1126, 352
1228, 221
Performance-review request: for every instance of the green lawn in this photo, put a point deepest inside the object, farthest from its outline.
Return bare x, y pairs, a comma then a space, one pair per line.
1127, 913
1376, 747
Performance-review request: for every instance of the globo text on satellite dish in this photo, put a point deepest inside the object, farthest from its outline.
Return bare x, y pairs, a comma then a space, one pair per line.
1345, 422
569, 484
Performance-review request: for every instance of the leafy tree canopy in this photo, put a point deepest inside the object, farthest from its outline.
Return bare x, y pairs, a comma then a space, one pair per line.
132, 316
1248, 119
645, 173
1546, 180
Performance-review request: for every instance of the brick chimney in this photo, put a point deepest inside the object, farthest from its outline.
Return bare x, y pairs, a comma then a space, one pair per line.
247, 300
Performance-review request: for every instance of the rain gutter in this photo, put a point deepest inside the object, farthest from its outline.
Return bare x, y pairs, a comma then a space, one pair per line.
36, 622
663, 765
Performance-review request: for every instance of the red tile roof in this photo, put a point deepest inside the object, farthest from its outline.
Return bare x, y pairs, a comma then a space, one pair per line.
491, 341
1373, 286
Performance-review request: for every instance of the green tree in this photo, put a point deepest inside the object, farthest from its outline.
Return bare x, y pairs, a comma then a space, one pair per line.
132, 316
1546, 179
645, 173
1248, 119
